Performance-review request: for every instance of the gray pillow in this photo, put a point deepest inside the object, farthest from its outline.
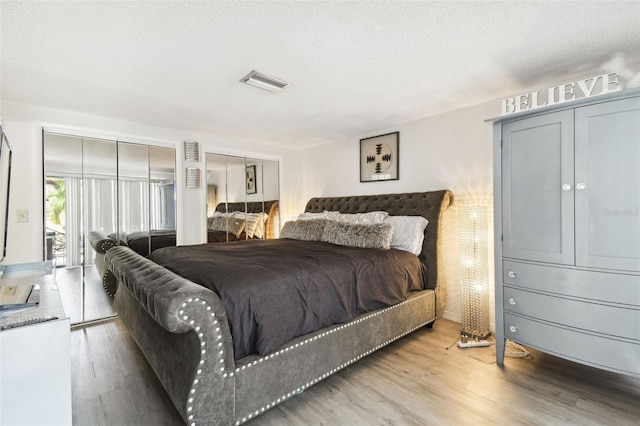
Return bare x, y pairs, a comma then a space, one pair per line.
304, 230
365, 236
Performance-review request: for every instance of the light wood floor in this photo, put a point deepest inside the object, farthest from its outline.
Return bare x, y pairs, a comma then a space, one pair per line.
414, 381
97, 303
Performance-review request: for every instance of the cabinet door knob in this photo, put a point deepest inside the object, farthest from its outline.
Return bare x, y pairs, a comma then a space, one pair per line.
512, 274
513, 329
566, 187
513, 301
581, 186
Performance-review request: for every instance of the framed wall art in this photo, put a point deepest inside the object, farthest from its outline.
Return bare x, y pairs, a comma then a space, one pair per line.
379, 157
252, 185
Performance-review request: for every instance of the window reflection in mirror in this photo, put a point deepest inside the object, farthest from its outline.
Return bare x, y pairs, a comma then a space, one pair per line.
133, 173
63, 185
133, 196
99, 180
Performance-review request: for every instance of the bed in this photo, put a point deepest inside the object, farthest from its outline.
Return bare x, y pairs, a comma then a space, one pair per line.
141, 243
184, 331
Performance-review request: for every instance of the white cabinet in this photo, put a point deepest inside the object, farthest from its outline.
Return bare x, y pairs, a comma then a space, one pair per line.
567, 222
35, 366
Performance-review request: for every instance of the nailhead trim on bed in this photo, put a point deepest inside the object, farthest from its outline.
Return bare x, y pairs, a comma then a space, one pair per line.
104, 277
203, 351
104, 285
324, 376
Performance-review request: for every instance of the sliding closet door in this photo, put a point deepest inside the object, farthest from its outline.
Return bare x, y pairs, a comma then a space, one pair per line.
63, 217
262, 188
216, 193
133, 196
254, 184
236, 187
226, 194
99, 207
162, 188
80, 193
254, 188
239, 184
62, 171
271, 191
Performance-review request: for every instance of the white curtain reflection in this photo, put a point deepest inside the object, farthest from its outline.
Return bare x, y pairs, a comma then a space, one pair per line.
100, 210
134, 206
73, 220
100, 205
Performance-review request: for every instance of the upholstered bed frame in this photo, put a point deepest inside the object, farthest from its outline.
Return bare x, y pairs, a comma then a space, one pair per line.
182, 328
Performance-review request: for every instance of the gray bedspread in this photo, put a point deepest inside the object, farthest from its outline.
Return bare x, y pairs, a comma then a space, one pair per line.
275, 290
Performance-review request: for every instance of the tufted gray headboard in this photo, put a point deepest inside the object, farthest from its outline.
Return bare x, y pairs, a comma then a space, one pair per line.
430, 205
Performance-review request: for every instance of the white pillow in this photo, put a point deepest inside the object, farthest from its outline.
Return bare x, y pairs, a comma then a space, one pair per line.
252, 220
408, 232
369, 218
262, 218
217, 214
312, 216
332, 215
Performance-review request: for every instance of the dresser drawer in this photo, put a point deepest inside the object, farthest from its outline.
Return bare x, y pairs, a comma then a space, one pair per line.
607, 287
610, 354
621, 322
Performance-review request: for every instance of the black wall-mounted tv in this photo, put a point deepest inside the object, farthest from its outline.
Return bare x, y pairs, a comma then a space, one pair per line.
5, 182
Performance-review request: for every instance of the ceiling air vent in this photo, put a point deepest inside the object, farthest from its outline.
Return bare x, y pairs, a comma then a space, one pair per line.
265, 82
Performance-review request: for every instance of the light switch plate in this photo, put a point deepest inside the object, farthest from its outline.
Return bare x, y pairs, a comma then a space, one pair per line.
22, 215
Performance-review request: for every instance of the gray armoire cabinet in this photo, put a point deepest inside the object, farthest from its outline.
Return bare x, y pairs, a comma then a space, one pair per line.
567, 223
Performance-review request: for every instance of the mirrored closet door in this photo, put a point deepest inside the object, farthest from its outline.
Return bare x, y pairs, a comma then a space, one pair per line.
98, 189
242, 198
269, 187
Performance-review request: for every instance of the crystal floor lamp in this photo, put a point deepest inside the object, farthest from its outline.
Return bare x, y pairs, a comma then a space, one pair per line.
474, 271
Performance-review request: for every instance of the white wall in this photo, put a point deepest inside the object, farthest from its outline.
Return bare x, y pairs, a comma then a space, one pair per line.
23, 125
452, 150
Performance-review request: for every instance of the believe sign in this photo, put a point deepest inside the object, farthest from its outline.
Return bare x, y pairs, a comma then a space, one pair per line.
600, 85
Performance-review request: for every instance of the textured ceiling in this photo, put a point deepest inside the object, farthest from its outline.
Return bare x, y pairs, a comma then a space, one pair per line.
354, 67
